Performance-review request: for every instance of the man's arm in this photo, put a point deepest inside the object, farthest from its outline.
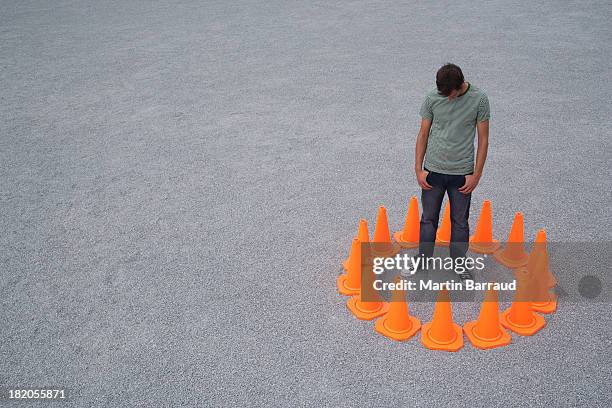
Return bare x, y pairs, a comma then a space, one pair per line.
471, 181
421, 147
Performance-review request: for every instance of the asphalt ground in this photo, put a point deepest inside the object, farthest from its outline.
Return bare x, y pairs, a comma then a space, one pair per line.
179, 182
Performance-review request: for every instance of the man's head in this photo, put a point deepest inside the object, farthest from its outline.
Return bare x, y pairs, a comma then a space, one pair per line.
449, 80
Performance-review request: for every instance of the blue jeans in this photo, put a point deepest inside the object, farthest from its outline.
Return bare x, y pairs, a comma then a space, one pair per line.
431, 201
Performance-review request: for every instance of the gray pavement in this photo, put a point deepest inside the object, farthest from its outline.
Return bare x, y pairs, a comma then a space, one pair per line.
180, 180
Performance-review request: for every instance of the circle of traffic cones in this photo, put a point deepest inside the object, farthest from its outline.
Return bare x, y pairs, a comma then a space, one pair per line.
535, 280
409, 236
363, 235
443, 233
514, 255
442, 333
350, 283
487, 332
382, 244
519, 317
482, 241
398, 324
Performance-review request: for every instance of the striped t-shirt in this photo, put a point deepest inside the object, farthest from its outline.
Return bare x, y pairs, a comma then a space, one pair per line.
450, 147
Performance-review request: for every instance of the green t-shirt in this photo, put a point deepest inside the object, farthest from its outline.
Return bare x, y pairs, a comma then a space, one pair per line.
450, 147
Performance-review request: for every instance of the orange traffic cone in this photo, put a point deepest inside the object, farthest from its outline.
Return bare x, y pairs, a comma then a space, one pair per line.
363, 236
350, 283
383, 246
487, 332
514, 255
542, 301
519, 317
442, 333
371, 309
540, 245
443, 234
409, 237
398, 324
482, 241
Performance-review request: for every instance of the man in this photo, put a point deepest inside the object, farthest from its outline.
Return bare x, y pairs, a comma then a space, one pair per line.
450, 115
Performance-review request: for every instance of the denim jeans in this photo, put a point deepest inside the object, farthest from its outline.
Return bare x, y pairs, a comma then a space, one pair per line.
431, 201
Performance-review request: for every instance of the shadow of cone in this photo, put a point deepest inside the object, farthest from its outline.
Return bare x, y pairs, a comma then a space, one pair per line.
363, 236
514, 255
350, 283
487, 332
398, 324
482, 241
442, 333
519, 317
443, 234
542, 301
367, 309
409, 236
383, 246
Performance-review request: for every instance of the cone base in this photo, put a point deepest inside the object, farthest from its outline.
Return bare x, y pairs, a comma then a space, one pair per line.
353, 305
397, 236
537, 323
344, 289
503, 339
511, 263
484, 247
378, 249
546, 308
431, 344
381, 326
442, 242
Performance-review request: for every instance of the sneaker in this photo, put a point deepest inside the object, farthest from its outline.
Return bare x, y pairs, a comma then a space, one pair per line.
465, 276
412, 271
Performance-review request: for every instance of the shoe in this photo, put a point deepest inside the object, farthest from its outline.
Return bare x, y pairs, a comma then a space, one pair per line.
413, 270
465, 276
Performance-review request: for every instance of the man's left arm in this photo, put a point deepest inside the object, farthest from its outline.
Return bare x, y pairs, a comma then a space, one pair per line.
471, 180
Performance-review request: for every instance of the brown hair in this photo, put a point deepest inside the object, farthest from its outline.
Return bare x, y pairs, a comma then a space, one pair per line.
448, 78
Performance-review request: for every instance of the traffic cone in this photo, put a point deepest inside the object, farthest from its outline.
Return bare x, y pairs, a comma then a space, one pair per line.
398, 324
541, 245
514, 255
482, 241
442, 333
350, 283
443, 234
542, 301
519, 317
363, 236
383, 246
487, 332
409, 237
367, 310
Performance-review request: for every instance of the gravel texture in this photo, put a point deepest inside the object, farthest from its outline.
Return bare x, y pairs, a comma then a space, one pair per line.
180, 180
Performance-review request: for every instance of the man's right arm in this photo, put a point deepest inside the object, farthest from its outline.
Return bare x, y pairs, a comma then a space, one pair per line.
421, 147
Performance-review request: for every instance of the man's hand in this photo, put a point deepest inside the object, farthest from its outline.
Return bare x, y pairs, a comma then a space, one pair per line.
471, 181
421, 176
